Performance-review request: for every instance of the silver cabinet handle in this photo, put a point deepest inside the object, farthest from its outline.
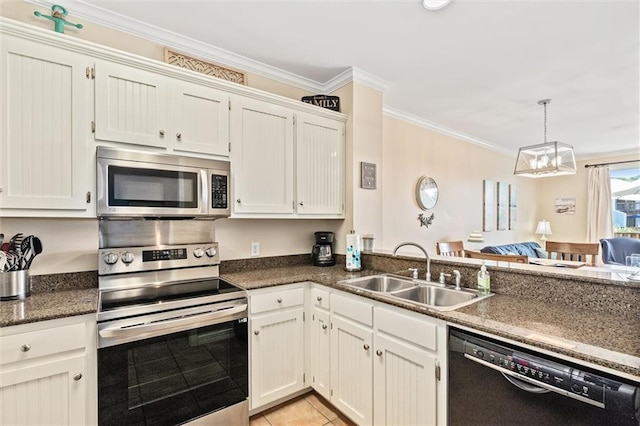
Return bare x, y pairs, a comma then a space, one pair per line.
279, 300
179, 135
366, 347
161, 132
302, 203
25, 348
77, 377
256, 332
379, 352
324, 326
319, 298
239, 201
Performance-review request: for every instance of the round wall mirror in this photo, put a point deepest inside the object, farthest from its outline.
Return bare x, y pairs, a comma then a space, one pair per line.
426, 193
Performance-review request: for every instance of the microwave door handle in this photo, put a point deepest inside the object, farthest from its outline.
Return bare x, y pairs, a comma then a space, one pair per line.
205, 192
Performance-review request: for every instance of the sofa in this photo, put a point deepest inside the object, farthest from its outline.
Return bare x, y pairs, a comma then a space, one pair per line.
615, 250
530, 249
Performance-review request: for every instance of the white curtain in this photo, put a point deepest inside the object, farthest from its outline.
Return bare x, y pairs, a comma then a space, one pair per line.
599, 209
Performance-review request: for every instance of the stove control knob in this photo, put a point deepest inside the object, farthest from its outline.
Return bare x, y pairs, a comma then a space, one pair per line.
110, 258
211, 251
127, 257
480, 354
198, 253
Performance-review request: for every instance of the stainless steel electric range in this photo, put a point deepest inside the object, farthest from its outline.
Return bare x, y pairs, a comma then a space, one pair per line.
172, 335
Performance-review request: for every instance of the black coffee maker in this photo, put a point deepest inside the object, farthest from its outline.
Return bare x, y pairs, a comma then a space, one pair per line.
322, 252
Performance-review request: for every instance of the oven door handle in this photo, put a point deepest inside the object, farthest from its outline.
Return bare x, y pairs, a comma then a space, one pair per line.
175, 324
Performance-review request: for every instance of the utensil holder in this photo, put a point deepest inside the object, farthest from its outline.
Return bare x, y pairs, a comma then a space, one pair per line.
15, 285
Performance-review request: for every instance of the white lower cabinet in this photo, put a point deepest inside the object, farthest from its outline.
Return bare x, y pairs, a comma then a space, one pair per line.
352, 357
48, 373
406, 369
320, 343
276, 344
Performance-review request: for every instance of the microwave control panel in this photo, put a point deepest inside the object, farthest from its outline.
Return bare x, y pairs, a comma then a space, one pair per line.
219, 191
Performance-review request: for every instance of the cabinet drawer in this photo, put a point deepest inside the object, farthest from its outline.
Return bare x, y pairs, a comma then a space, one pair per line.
277, 300
419, 331
23, 346
352, 308
320, 298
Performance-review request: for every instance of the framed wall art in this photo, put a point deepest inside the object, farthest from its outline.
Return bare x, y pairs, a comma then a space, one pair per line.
513, 207
565, 206
503, 206
488, 205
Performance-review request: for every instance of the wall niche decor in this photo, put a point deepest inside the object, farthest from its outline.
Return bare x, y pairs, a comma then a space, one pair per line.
198, 65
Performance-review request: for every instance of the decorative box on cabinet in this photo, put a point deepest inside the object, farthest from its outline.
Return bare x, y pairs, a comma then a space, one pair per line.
48, 373
140, 107
276, 344
45, 131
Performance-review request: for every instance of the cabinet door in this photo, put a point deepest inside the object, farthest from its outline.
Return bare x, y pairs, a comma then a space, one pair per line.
131, 105
277, 356
200, 117
50, 393
320, 152
261, 157
45, 127
405, 384
321, 352
352, 369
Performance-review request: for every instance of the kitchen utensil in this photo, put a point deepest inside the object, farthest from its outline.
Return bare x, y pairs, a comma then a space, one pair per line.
26, 251
3, 261
16, 243
1, 239
36, 249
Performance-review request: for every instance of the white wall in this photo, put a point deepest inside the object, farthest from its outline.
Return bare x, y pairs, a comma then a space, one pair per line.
458, 168
565, 227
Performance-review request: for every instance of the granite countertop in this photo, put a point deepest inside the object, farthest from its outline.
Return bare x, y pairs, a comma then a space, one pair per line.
48, 305
602, 339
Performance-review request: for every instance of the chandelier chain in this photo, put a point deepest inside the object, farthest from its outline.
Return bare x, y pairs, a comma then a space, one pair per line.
545, 122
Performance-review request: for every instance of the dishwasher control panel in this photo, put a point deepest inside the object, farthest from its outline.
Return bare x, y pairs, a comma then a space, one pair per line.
548, 374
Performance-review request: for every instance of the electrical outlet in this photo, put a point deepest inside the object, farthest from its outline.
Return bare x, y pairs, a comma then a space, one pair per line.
255, 248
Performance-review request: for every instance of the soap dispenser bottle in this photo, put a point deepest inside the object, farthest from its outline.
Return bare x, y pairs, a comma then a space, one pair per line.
484, 284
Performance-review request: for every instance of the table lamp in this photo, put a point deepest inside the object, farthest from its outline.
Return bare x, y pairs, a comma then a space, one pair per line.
544, 229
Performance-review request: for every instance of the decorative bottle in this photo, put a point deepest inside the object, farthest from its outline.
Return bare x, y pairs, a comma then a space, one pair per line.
484, 281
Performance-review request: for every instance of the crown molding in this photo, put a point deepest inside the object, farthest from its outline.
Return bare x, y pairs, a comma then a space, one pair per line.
421, 122
190, 46
187, 45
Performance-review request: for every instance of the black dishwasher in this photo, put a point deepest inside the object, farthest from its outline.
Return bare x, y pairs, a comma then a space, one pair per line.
494, 383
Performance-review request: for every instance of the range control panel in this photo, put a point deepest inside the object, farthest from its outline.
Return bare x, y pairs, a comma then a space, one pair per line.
565, 379
138, 259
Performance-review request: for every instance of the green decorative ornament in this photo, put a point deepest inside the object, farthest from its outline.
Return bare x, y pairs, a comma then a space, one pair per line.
58, 14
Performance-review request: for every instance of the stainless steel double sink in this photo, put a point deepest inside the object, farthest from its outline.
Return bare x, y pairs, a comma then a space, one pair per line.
416, 291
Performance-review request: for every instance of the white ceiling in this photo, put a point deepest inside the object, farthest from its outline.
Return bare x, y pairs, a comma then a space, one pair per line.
475, 67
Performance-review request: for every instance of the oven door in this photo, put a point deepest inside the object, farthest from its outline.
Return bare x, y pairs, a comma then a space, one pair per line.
175, 378
131, 188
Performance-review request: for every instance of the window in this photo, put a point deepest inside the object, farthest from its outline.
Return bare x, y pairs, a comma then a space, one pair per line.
625, 193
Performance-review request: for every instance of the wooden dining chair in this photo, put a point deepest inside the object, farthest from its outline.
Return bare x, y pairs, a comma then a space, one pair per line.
450, 248
517, 258
576, 252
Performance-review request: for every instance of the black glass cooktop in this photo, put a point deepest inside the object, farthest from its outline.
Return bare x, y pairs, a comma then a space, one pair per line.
156, 295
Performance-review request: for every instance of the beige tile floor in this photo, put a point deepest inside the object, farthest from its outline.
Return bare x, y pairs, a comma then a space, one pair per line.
306, 410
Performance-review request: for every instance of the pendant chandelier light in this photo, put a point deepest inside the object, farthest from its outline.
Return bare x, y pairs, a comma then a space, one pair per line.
545, 159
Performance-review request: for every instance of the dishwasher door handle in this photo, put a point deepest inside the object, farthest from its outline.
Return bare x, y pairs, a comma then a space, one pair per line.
174, 324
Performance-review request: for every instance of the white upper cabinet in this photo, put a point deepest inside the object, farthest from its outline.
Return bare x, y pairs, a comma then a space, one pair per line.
269, 180
45, 129
139, 107
131, 105
319, 165
261, 157
201, 119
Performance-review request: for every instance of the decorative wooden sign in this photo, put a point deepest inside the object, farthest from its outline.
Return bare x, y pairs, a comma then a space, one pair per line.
183, 61
324, 101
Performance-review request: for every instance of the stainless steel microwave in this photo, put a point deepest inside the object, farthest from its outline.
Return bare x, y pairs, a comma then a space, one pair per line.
144, 184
